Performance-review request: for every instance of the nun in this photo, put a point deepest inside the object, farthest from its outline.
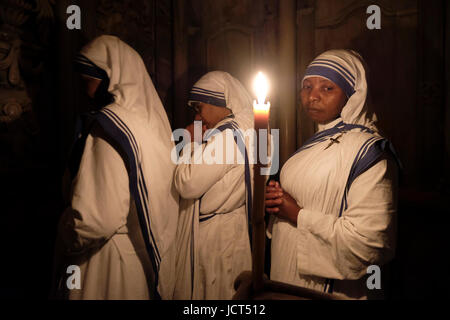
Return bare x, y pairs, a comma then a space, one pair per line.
333, 212
118, 233
213, 233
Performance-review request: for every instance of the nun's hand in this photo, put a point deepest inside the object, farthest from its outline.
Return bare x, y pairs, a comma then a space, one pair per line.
280, 203
190, 128
288, 209
273, 197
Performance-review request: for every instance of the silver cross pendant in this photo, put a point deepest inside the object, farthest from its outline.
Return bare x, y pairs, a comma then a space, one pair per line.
333, 140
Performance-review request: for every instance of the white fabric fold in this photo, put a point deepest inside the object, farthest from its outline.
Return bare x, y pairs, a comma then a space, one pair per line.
139, 114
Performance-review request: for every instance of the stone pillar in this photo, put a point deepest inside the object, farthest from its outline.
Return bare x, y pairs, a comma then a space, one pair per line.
305, 54
287, 78
180, 65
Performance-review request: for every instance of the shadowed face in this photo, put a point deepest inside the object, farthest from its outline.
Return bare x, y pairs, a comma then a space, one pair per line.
210, 114
322, 99
90, 85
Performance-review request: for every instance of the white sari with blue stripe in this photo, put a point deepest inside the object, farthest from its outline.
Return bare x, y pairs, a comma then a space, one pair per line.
348, 218
213, 234
121, 225
345, 180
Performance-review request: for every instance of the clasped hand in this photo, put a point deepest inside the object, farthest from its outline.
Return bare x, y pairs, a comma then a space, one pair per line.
280, 203
190, 129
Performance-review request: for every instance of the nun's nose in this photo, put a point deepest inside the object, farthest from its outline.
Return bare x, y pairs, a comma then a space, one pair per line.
314, 95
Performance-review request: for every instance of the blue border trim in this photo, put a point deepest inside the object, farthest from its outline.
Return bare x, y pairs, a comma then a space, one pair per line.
332, 75
207, 99
238, 139
217, 94
325, 134
85, 66
121, 135
338, 66
368, 155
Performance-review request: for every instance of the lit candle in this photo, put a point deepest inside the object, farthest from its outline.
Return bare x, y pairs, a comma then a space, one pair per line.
261, 113
261, 109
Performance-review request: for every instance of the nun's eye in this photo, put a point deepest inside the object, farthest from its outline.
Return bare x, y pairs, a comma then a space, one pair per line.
196, 107
328, 88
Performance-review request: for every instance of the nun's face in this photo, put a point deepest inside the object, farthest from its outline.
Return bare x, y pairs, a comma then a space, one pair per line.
322, 99
210, 114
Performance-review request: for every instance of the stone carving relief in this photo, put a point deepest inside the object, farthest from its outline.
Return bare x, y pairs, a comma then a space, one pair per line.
14, 99
24, 30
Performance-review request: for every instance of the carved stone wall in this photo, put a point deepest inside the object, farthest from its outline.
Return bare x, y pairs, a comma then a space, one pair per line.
28, 169
24, 28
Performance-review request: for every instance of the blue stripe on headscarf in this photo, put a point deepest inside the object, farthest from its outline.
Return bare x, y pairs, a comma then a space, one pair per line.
338, 66
208, 96
332, 75
208, 99
85, 66
217, 94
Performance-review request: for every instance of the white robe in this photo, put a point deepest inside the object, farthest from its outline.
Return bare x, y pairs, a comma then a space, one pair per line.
323, 245
100, 230
220, 245
213, 252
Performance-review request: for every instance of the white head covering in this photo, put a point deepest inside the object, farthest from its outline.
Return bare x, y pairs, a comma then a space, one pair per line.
346, 69
138, 109
129, 81
221, 89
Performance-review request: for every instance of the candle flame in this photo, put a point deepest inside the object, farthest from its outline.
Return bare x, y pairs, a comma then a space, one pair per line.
261, 87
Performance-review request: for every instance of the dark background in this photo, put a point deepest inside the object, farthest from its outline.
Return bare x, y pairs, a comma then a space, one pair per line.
181, 40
